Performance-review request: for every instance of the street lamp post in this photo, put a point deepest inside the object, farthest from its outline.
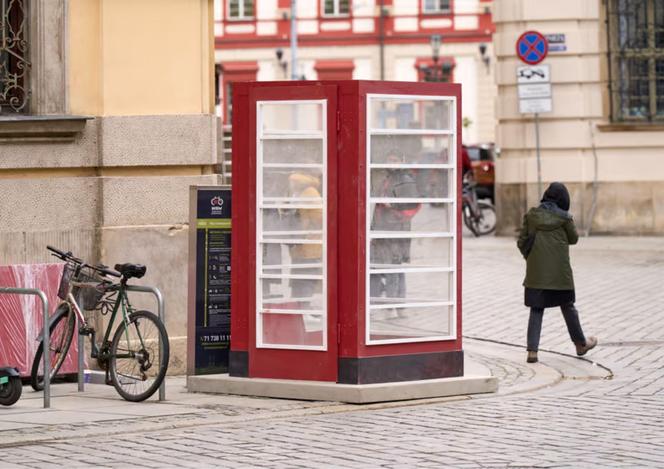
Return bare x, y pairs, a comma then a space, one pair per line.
436, 72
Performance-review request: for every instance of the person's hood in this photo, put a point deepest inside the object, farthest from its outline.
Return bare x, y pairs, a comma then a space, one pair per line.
545, 220
557, 194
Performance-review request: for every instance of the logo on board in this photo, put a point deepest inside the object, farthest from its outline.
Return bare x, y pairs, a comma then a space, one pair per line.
217, 205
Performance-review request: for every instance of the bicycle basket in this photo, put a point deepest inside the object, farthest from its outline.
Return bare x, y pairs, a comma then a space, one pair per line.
67, 274
88, 297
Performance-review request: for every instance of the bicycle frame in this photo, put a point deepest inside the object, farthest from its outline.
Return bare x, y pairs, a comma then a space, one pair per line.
121, 302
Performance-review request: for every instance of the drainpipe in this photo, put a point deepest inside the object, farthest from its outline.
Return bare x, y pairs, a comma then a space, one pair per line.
293, 39
381, 38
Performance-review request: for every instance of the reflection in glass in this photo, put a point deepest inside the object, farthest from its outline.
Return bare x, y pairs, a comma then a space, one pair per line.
412, 149
292, 294
411, 322
424, 252
297, 185
292, 329
287, 221
410, 287
288, 151
429, 218
410, 113
409, 183
296, 117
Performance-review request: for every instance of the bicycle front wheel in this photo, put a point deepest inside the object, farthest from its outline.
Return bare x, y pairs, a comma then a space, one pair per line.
139, 356
469, 220
61, 331
486, 222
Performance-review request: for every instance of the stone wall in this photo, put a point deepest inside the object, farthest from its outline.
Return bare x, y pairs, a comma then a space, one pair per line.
579, 142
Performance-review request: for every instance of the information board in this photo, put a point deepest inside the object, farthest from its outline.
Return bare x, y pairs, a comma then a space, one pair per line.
213, 280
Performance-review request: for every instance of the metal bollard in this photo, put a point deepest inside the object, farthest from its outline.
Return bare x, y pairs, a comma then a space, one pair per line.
46, 340
162, 316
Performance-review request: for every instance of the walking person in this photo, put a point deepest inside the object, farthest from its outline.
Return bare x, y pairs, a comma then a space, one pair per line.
544, 240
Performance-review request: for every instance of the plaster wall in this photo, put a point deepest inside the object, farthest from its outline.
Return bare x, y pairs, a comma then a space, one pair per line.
578, 135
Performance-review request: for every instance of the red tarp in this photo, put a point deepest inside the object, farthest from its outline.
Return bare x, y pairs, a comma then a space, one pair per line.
21, 315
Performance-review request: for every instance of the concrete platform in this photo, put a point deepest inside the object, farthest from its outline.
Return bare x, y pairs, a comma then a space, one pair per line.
350, 393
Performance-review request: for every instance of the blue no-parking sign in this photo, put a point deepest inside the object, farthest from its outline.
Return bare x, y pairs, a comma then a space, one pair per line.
532, 47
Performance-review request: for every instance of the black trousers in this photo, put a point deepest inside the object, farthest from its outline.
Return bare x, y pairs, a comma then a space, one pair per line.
571, 316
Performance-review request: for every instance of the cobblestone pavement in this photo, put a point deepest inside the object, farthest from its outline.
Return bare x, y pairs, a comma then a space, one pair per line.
577, 423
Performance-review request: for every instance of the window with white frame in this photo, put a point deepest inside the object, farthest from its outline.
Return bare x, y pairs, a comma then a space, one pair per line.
435, 6
336, 7
291, 225
240, 9
411, 222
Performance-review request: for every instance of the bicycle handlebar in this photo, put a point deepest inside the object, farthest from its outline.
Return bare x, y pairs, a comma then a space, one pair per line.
67, 256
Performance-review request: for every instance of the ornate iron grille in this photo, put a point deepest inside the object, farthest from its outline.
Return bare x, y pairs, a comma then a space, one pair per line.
636, 58
14, 63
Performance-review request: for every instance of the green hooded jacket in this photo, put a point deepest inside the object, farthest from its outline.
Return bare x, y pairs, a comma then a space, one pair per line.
548, 266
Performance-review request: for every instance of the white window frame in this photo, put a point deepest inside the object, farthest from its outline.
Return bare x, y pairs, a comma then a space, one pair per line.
452, 234
281, 202
337, 6
436, 10
241, 7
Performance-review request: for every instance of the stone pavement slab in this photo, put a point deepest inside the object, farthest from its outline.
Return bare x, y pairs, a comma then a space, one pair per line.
561, 412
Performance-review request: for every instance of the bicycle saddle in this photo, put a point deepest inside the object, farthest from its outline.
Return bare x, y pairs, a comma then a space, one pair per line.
131, 270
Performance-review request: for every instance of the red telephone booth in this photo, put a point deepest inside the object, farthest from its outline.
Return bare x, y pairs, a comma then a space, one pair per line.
346, 263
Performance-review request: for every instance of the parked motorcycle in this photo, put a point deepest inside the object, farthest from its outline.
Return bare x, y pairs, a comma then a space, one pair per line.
10, 386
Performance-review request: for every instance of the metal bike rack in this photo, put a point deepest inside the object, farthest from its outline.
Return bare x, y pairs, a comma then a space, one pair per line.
47, 339
162, 316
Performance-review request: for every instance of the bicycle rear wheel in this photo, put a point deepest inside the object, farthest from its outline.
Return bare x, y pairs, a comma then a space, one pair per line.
139, 356
61, 331
486, 222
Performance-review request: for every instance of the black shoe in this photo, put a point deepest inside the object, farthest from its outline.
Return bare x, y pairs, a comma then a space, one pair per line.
532, 356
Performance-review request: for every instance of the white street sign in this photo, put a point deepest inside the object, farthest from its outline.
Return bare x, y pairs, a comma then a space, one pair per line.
532, 106
534, 90
533, 74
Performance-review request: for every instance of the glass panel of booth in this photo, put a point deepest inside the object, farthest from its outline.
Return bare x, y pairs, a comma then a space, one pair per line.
291, 225
411, 219
410, 112
294, 118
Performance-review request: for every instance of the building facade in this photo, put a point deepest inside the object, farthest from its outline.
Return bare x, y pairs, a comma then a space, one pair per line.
362, 39
106, 119
605, 135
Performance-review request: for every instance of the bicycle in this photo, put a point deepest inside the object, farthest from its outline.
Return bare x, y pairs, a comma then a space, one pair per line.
479, 216
136, 359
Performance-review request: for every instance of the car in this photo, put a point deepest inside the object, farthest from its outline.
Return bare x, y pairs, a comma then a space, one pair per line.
482, 158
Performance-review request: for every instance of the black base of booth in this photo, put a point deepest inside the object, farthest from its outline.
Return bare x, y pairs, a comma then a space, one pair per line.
395, 368
238, 364
386, 369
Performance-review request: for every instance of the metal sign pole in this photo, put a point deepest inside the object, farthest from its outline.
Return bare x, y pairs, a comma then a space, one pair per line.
46, 344
539, 160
